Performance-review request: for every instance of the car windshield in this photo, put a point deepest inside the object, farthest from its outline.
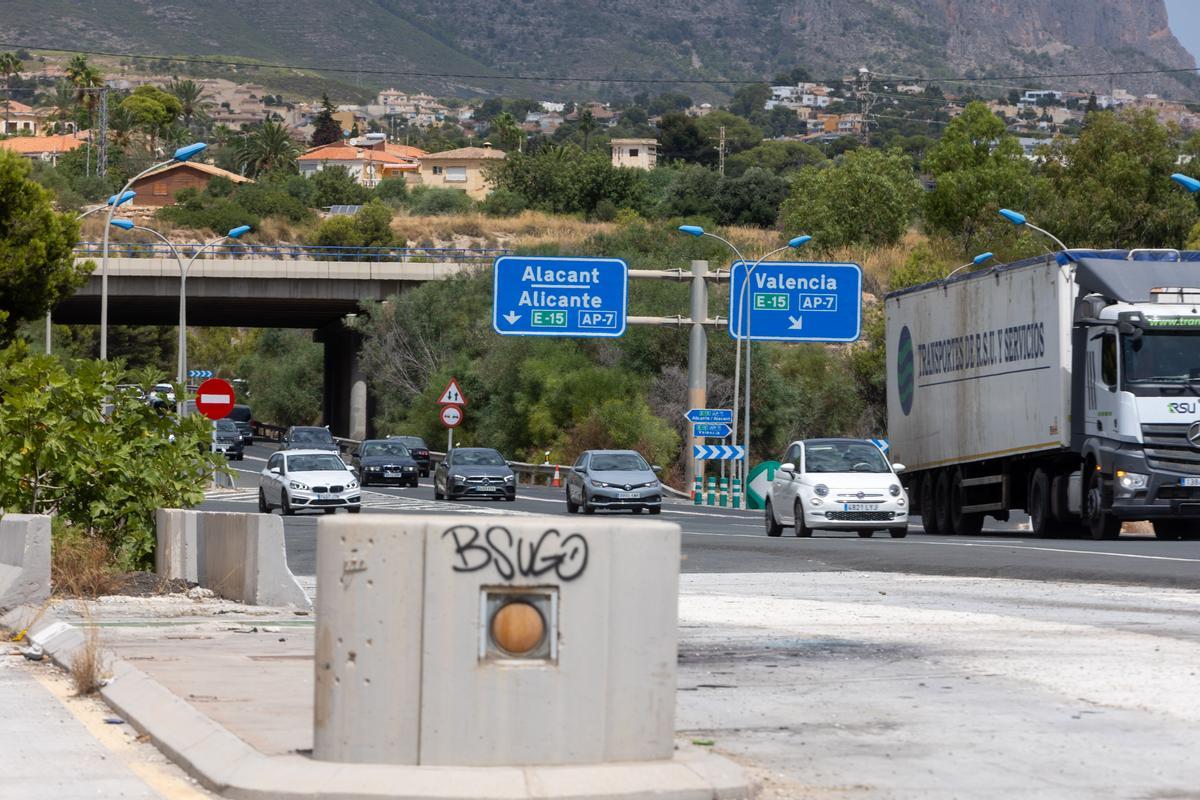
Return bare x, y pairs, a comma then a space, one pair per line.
411, 441
844, 457
315, 463
311, 435
226, 425
613, 462
239, 414
384, 449
1162, 357
478, 458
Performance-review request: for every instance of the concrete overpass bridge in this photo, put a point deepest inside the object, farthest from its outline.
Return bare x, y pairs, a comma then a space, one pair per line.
269, 287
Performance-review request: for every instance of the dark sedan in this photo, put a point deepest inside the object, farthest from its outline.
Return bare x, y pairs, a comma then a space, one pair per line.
420, 451
474, 472
308, 437
384, 461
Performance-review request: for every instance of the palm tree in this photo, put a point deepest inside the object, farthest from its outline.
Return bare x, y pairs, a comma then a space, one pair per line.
63, 101
506, 130
121, 126
267, 148
587, 126
86, 79
10, 65
191, 96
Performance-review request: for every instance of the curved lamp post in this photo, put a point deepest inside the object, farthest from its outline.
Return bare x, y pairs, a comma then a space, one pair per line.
182, 154
1187, 182
1018, 219
974, 262
797, 242
181, 367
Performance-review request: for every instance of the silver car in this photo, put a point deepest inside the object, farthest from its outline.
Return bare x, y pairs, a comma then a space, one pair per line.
618, 479
297, 479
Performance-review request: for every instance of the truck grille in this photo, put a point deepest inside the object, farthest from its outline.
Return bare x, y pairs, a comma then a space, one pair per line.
860, 516
1167, 448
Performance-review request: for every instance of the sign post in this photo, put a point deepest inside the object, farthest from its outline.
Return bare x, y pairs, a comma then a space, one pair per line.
214, 398
582, 297
451, 400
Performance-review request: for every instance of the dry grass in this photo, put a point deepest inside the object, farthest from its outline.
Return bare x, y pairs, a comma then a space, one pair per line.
87, 667
82, 566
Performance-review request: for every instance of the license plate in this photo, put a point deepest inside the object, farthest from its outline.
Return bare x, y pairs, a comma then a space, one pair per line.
327, 496
391, 474
627, 495
488, 488
857, 507
1190, 481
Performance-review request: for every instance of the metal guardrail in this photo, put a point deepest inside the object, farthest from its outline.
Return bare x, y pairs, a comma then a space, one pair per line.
294, 252
532, 474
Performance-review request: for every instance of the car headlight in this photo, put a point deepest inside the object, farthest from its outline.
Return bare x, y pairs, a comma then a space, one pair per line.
410, 469
821, 490
599, 484
298, 485
894, 489
653, 485
508, 478
374, 469
352, 485
1130, 482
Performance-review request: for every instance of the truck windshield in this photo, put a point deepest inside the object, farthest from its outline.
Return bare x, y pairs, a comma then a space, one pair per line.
1161, 357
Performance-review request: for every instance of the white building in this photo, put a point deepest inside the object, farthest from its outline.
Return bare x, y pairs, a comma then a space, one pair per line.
636, 153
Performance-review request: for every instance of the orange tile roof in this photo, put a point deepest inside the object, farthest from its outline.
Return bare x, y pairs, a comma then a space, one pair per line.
345, 152
405, 151
465, 152
210, 169
35, 145
15, 106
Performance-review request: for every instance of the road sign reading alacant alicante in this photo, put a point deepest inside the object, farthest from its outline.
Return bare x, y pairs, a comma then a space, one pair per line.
796, 302
718, 415
559, 296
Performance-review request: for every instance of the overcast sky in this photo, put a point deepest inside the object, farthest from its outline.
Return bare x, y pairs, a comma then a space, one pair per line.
1185, 23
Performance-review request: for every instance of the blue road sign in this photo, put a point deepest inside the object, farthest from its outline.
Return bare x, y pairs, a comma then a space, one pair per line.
718, 452
200, 373
882, 444
718, 430
796, 302
710, 415
534, 296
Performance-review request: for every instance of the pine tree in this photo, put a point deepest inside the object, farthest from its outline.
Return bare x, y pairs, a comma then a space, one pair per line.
327, 129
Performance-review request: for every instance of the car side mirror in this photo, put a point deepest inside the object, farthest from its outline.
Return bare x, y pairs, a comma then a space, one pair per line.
787, 467
276, 470
657, 469
898, 468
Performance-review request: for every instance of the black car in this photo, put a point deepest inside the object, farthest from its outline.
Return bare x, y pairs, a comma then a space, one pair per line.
420, 451
474, 471
228, 440
241, 417
308, 437
384, 461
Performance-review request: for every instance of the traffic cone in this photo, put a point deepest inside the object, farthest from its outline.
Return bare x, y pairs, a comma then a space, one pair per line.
557, 478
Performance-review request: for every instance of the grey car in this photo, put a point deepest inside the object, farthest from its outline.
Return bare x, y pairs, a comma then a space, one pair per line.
474, 472
616, 479
308, 437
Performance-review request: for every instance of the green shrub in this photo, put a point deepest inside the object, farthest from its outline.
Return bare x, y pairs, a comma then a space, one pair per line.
502, 203
392, 190
429, 201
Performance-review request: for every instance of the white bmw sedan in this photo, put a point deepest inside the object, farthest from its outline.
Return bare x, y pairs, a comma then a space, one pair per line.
298, 479
837, 484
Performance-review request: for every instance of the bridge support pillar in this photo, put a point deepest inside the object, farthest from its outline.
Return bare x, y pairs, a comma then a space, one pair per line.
348, 406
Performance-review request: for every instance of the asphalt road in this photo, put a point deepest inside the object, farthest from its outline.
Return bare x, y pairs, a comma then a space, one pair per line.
719, 540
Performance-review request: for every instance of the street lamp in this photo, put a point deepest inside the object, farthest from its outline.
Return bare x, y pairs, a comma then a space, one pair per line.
181, 367
1018, 219
1187, 182
797, 242
182, 154
974, 262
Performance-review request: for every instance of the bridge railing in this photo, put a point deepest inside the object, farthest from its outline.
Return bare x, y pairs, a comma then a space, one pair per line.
293, 252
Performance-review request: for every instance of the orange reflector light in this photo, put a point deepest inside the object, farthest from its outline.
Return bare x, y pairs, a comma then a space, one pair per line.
518, 628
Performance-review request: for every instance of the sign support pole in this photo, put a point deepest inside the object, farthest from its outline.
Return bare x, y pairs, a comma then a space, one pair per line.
697, 361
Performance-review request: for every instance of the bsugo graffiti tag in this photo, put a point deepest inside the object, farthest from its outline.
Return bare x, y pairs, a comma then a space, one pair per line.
513, 555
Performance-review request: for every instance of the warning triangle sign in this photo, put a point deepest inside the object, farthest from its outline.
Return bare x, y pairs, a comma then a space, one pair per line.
452, 395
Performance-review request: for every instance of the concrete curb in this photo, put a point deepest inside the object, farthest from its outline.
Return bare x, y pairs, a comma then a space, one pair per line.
24, 559
225, 764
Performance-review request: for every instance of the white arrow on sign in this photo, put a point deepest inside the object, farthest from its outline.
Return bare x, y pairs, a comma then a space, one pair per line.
512, 317
797, 323
759, 484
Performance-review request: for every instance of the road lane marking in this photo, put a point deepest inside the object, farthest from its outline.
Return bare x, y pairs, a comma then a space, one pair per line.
1065, 550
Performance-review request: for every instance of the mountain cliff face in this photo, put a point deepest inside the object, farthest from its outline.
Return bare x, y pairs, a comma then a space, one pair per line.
627, 39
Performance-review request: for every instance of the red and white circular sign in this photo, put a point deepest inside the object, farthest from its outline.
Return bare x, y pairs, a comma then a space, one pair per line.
214, 398
451, 416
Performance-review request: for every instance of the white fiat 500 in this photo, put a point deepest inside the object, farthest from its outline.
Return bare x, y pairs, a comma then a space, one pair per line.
837, 484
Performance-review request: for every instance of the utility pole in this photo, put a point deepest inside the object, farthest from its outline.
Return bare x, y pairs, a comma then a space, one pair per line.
720, 161
866, 99
102, 151
697, 364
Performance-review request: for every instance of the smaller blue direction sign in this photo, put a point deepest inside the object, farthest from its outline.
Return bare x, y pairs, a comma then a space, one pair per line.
882, 444
200, 373
710, 415
717, 430
559, 296
718, 452
796, 302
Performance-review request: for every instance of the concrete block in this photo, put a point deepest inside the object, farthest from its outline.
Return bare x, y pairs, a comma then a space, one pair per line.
175, 550
24, 559
368, 638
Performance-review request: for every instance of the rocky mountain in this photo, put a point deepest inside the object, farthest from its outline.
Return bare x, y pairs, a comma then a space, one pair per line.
396, 42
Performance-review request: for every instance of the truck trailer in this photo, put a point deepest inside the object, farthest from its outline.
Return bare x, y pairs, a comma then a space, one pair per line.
1066, 386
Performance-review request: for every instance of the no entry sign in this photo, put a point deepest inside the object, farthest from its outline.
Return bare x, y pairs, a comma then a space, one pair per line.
451, 416
214, 398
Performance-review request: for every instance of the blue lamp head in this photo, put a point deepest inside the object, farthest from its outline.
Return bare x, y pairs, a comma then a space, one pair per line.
982, 257
238, 231
1187, 182
187, 151
692, 230
123, 224
800, 241
1015, 217
123, 199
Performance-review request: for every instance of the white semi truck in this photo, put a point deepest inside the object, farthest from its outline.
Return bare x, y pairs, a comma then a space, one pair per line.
1067, 386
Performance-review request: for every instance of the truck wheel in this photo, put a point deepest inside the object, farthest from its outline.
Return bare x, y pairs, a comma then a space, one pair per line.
928, 506
963, 524
1172, 529
1039, 504
773, 527
941, 502
1101, 524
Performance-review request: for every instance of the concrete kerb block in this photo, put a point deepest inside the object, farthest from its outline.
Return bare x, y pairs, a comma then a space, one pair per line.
175, 551
24, 559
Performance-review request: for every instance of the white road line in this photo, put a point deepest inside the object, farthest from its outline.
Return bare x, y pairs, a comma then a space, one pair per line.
1065, 550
